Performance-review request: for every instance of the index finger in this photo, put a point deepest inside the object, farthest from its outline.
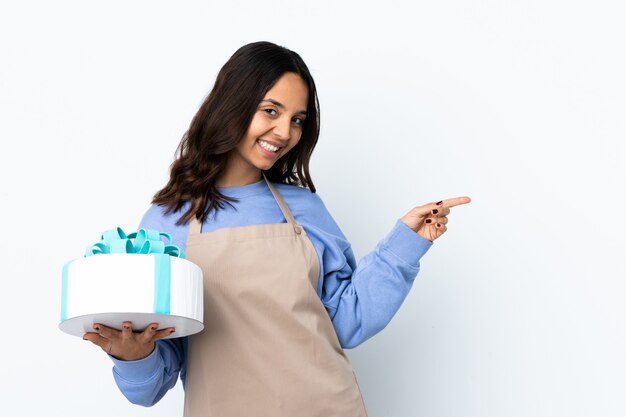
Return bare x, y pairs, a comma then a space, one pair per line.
451, 202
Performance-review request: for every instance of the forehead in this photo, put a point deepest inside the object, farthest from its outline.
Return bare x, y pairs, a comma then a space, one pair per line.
291, 91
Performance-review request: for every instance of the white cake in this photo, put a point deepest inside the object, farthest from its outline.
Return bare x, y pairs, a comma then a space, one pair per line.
111, 288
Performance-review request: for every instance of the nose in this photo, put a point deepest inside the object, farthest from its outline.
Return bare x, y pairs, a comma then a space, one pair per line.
282, 128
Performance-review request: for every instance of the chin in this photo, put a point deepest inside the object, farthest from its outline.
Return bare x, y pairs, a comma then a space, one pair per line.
264, 167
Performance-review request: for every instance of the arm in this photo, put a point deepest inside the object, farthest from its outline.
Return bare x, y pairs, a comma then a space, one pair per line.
361, 300
146, 381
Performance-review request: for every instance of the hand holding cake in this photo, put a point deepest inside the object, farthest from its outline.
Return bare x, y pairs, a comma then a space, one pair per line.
126, 344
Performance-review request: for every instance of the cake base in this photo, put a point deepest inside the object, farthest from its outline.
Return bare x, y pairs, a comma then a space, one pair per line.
184, 326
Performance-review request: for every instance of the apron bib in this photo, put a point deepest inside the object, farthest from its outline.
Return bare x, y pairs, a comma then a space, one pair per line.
268, 348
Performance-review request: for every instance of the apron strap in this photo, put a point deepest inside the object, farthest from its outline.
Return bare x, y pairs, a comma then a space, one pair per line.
194, 226
283, 206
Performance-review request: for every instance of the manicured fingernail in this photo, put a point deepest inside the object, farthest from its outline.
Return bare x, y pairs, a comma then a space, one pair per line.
435, 211
96, 327
438, 225
440, 202
85, 338
428, 221
172, 331
153, 328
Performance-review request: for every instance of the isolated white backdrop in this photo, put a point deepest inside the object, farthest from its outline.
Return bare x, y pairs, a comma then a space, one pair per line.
518, 309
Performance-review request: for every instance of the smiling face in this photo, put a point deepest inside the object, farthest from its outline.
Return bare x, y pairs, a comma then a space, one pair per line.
274, 130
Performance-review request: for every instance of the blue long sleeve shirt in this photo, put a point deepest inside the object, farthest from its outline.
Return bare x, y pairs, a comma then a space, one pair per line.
360, 300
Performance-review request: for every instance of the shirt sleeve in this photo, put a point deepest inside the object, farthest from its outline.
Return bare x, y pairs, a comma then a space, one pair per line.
146, 381
361, 300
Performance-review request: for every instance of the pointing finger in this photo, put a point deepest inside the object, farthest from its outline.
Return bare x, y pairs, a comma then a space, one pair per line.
451, 202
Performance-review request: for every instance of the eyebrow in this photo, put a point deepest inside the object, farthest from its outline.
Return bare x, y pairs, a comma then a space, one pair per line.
278, 104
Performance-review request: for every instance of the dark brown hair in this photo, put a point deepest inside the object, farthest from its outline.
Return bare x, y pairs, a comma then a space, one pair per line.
222, 121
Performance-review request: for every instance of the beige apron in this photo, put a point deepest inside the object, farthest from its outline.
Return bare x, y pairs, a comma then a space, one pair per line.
268, 348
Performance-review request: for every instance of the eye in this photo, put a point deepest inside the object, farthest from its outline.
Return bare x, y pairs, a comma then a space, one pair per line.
271, 112
298, 121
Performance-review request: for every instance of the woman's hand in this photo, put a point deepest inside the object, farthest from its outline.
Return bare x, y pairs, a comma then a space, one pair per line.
430, 220
126, 344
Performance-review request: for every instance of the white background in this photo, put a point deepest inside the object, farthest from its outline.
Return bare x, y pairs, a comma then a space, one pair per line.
518, 309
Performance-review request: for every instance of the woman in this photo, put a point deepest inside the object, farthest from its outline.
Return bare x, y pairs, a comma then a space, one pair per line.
283, 294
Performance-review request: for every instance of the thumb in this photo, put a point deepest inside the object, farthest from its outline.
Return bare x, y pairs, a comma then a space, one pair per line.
96, 339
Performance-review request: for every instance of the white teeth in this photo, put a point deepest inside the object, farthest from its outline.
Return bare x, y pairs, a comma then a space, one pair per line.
267, 146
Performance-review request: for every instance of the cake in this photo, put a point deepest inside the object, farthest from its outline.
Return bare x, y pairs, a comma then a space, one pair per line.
142, 280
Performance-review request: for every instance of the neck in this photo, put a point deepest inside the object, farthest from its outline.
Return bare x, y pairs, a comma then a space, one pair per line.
233, 179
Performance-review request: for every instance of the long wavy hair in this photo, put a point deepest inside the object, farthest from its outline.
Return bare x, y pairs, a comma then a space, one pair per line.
222, 121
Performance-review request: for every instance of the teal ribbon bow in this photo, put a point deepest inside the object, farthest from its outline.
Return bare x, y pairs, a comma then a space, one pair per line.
145, 241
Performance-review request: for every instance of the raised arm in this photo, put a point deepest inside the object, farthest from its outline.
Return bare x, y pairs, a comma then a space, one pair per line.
361, 300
